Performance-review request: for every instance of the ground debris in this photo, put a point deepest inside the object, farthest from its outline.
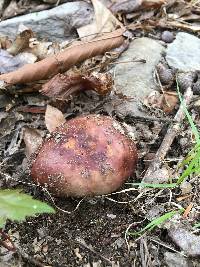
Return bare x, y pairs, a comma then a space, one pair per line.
176, 260
185, 239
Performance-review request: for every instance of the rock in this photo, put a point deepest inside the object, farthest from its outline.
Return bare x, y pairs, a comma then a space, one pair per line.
159, 176
196, 86
183, 238
52, 24
183, 53
134, 80
186, 188
2, 2
176, 260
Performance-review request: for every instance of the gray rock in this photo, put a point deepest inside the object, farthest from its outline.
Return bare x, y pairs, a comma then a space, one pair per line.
184, 53
1, 5
176, 260
187, 241
53, 24
135, 80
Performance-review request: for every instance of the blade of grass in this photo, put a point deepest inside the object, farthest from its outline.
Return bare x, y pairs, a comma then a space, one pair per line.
172, 185
193, 126
197, 225
158, 221
193, 167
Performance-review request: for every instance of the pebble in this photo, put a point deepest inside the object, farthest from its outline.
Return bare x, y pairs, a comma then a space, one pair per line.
167, 37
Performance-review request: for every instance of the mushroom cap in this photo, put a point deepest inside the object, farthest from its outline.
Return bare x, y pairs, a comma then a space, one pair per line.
86, 156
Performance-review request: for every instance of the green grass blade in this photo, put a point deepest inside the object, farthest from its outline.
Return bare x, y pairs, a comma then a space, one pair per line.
193, 167
158, 221
147, 185
193, 126
197, 225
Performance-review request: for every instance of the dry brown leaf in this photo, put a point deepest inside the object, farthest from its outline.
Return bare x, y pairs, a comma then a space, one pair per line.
21, 42
166, 102
5, 43
169, 102
105, 21
65, 60
61, 86
53, 118
32, 139
42, 49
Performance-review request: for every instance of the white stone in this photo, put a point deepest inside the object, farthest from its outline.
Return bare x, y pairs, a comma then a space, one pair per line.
184, 53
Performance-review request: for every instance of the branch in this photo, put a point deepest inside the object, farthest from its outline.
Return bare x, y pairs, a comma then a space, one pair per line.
64, 60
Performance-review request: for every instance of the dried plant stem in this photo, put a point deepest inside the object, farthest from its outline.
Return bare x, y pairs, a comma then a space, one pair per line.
64, 60
4, 243
172, 132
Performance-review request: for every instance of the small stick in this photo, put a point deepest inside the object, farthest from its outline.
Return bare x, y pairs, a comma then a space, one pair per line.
4, 244
172, 132
187, 210
83, 244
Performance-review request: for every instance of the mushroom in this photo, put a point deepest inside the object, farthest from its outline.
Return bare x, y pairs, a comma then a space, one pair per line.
85, 156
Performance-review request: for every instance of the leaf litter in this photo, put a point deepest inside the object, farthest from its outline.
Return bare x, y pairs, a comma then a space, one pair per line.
88, 237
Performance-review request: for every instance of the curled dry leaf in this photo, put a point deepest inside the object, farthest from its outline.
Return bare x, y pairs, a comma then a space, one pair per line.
21, 42
53, 118
166, 102
32, 139
42, 49
65, 59
61, 86
104, 22
5, 43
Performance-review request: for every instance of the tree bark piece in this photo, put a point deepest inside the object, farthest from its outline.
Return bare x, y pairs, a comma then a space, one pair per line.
64, 60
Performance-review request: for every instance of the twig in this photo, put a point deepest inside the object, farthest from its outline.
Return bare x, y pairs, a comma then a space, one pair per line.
166, 246
169, 137
4, 244
83, 244
17, 250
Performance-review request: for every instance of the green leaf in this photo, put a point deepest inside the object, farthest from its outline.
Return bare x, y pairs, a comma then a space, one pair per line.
15, 206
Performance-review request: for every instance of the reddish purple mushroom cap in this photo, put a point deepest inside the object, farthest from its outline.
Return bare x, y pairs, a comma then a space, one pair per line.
86, 156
